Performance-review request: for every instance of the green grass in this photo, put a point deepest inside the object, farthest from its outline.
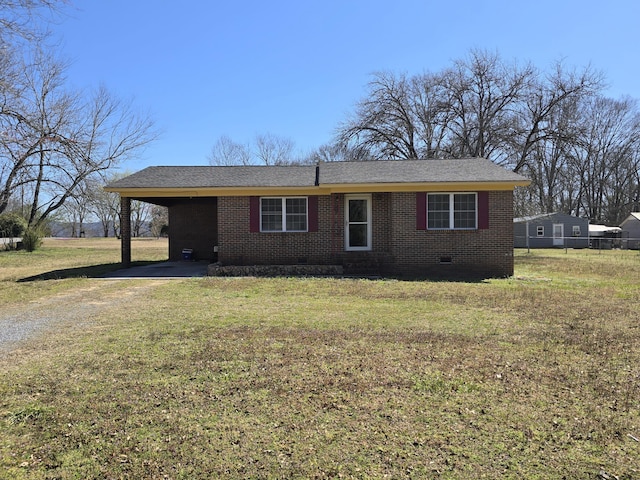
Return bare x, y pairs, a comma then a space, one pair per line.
68, 261
537, 376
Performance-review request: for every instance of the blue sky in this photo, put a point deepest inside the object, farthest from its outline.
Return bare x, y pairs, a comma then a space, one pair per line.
296, 69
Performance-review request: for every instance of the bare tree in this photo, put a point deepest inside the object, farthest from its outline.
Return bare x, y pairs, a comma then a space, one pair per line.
338, 152
77, 210
553, 187
274, 150
467, 110
140, 218
227, 152
268, 149
31, 114
432, 115
579, 149
605, 158
105, 206
159, 220
482, 92
55, 139
547, 99
23, 18
383, 123
401, 118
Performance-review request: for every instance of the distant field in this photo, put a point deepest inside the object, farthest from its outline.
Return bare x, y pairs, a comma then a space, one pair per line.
537, 376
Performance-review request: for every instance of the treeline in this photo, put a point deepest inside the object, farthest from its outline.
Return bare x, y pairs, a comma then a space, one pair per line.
94, 205
91, 212
578, 146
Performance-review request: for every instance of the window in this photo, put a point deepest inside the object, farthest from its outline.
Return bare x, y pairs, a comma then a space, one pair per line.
540, 231
447, 211
576, 230
283, 214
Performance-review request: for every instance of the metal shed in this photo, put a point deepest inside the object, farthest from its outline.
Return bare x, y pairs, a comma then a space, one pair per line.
604, 237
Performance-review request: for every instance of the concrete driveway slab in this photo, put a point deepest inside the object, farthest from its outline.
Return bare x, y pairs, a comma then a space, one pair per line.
162, 270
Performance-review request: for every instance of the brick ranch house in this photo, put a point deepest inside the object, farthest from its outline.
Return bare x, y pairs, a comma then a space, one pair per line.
418, 218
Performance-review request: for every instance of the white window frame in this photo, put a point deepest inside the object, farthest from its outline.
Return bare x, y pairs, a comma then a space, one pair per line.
368, 223
284, 214
540, 231
452, 212
576, 230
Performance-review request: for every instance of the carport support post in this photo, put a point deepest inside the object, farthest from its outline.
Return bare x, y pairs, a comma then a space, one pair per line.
125, 231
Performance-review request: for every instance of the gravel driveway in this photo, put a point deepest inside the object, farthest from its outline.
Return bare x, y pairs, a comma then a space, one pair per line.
75, 307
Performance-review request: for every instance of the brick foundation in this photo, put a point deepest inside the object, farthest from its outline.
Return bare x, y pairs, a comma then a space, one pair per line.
217, 270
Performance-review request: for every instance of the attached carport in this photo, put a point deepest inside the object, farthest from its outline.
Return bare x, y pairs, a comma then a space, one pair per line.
192, 195
193, 225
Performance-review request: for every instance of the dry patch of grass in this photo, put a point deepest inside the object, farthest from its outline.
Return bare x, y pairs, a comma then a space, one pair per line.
65, 263
532, 377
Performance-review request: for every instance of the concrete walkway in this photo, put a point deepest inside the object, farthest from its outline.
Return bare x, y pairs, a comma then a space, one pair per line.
162, 270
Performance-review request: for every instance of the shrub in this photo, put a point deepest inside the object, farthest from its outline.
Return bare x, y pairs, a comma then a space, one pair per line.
32, 239
12, 225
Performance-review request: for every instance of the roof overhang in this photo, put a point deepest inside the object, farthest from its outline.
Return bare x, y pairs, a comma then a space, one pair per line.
211, 191
596, 230
325, 189
422, 187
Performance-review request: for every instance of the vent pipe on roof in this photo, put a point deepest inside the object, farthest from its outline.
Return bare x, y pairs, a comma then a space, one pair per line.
317, 175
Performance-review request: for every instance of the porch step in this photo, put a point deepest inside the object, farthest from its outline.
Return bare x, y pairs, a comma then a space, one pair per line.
365, 268
364, 263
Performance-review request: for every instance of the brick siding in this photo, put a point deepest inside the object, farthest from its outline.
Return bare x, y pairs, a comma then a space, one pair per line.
193, 224
239, 246
398, 247
454, 253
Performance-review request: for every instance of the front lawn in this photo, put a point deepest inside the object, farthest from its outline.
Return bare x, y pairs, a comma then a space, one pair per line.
537, 376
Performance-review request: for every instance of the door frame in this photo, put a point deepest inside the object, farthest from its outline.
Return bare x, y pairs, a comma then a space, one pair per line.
367, 197
558, 241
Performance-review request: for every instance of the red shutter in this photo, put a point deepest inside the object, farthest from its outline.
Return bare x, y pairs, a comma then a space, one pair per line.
421, 211
312, 205
483, 210
254, 214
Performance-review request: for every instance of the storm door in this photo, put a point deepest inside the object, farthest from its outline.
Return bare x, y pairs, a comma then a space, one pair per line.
558, 235
357, 222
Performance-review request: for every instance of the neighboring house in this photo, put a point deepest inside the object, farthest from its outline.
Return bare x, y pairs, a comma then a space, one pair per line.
631, 231
425, 218
551, 230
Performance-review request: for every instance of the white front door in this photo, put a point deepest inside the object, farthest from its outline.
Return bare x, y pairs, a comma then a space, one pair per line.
357, 222
558, 235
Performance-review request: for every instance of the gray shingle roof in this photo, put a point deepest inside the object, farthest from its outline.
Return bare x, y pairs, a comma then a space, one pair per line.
211, 177
330, 173
553, 215
416, 171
